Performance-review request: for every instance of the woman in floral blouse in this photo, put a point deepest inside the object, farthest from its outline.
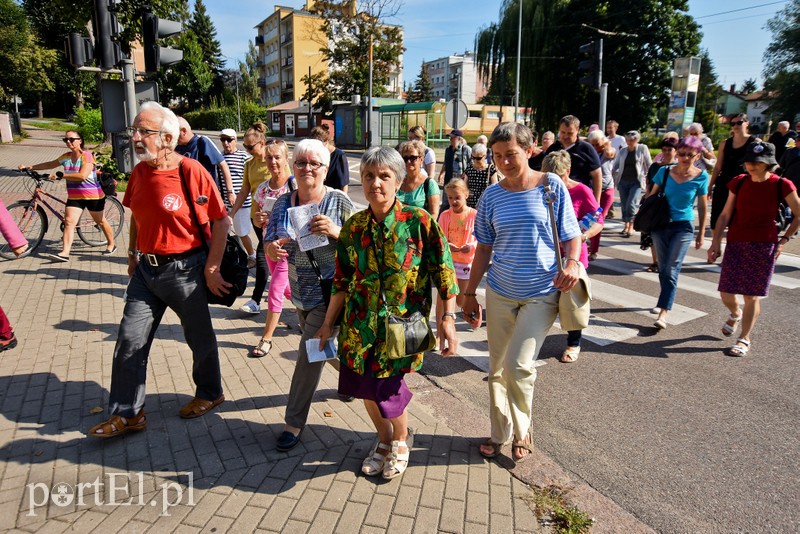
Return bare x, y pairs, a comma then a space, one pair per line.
403, 246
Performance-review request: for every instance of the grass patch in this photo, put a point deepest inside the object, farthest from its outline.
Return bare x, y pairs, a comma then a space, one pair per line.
552, 507
57, 125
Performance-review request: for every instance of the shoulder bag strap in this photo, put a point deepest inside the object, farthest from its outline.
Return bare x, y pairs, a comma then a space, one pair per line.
190, 202
550, 199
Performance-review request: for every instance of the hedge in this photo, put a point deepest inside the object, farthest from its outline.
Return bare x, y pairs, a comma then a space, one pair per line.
226, 117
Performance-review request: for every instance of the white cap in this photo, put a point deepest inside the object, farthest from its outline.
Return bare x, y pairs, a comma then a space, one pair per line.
229, 132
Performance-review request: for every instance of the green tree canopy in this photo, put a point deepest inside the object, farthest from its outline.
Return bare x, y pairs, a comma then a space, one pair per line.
641, 41
782, 60
708, 93
350, 32
248, 70
423, 88
205, 33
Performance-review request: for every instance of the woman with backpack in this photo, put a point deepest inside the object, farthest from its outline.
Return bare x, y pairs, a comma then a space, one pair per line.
418, 190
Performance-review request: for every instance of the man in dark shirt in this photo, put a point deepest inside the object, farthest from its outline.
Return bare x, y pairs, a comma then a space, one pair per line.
781, 137
203, 149
585, 161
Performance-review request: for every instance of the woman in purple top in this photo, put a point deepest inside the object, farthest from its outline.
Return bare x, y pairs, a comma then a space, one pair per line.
583, 202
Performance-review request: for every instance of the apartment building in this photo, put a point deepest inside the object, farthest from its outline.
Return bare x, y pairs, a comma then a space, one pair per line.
457, 76
288, 43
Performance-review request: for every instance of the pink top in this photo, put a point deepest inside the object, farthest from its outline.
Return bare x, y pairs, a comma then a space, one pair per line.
459, 230
9, 229
583, 202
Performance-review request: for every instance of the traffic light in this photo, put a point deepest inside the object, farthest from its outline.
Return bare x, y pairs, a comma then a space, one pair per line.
592, 67
107, 31
153, 29
80, 50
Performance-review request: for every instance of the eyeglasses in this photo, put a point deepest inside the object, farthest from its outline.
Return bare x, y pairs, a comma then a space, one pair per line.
250, 147
477, 158
694, 133
143, 132
737, 123
227, 139
410, 159
70, 139
687, 154
313, 165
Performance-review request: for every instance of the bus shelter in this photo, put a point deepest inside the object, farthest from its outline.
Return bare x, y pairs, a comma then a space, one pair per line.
396, 119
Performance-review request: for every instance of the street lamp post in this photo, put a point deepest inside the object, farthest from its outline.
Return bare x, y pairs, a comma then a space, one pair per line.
519, 53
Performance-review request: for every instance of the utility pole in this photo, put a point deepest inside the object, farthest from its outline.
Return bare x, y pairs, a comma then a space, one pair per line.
369, 100
519, 54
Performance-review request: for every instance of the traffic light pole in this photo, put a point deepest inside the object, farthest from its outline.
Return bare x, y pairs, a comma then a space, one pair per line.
131, 107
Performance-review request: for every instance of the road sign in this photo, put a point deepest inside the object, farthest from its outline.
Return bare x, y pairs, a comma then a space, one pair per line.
456, 113
114, 105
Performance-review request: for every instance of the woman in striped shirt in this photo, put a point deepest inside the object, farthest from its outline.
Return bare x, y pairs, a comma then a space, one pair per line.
83, 192
514, 233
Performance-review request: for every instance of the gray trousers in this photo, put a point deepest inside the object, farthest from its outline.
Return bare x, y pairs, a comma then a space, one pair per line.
306, 376
179, 285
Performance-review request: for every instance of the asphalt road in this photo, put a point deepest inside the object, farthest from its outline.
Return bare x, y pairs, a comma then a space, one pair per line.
684, 437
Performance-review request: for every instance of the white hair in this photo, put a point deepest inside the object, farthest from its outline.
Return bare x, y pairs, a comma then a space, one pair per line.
596, 135
697, 127
482, 139
313, 147
785, 124
479, 149
169, 122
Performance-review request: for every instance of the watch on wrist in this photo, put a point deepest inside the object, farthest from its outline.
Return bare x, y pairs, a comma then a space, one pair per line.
449, 314
133, 253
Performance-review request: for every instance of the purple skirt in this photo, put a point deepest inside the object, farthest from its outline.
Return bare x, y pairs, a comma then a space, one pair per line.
390, 394
747, 268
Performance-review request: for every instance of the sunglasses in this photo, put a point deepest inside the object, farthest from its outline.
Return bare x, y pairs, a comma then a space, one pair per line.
70, 139
249, 147
687, 154
477, 158
227, 139
737, 123
410, 159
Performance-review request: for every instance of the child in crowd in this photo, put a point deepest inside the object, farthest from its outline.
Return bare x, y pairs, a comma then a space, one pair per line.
458, 223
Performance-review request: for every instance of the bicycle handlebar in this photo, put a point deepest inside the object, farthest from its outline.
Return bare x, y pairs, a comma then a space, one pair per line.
38, 176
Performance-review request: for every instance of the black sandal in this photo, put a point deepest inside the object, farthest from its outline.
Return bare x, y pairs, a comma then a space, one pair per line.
653, 268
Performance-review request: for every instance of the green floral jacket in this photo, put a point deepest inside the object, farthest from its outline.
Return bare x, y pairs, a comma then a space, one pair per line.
412, 254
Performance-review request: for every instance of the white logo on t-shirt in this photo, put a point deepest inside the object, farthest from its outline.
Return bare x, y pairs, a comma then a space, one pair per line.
172, 202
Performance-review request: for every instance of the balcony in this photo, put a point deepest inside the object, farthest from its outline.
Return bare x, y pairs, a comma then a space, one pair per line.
262, 82
260, 40
287, 61
286, 37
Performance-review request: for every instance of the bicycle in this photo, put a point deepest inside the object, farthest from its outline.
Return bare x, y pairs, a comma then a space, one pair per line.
33, 221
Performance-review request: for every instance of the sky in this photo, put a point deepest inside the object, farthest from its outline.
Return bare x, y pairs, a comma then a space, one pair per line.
734, 31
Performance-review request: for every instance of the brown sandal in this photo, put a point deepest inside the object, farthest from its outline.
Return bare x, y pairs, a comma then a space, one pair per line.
491, 444
524, 444
198, 407
116, 426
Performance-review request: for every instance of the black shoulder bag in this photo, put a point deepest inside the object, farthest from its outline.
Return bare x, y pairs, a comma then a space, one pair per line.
654, 213
233, 266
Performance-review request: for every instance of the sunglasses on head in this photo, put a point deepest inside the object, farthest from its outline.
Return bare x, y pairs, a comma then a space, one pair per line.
70, 139
737, 123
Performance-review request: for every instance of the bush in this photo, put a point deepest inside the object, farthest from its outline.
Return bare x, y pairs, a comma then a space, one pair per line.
90, 124
218, 118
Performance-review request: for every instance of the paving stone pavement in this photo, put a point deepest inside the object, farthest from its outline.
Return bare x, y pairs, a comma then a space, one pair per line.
220, 472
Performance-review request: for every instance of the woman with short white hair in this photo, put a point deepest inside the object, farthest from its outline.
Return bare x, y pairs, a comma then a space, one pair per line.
310, 273
630, 171
479, 175
707, 159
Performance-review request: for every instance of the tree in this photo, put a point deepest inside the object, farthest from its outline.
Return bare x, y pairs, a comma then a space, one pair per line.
637, 55
782, 58
423, 88
317, 93
206, 35
189, 80
14, 36
248, 70
349, 32
708, 92
748, 86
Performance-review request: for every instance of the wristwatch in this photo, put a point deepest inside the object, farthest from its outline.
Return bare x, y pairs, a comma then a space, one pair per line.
133, 253
449, 314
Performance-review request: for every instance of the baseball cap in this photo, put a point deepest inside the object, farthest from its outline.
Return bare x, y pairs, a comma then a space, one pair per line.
228, 132
761, 153
456, 133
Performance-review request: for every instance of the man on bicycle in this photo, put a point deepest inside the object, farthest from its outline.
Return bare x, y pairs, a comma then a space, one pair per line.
170, 266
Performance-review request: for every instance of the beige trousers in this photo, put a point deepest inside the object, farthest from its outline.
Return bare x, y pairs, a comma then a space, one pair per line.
516, 330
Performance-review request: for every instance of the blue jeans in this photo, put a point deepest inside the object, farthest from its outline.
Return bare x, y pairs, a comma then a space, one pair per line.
671, 244
629, 195
181, 286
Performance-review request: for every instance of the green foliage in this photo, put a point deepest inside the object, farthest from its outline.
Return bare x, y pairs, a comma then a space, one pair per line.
14, 36
347, 60
190, 80
637, 69
108, 165
89, 123
708, 92
423, 88
248, 71
226, 117
782, 59
317, 90
551, 502
211, 51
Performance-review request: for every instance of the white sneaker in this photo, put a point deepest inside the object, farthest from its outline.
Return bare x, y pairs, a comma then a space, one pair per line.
250, 307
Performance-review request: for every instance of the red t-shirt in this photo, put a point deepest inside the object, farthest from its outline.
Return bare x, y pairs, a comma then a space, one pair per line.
164, 222
756, 208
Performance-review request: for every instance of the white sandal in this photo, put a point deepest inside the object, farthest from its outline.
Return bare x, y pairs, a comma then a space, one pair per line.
373, 464
396, 461
741, 348
727, 328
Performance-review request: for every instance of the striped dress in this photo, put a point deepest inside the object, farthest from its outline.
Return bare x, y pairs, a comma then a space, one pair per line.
88, 189
516, 224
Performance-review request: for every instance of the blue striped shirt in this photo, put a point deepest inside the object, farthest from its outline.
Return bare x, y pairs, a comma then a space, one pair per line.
517, 227
236, 165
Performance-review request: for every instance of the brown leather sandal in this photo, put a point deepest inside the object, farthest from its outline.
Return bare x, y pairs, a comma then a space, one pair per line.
198, 407
116, 426
520, 445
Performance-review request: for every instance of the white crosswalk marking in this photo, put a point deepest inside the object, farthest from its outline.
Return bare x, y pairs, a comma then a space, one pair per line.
686, 283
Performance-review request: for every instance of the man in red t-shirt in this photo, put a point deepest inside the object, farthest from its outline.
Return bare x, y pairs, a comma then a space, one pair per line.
170, 267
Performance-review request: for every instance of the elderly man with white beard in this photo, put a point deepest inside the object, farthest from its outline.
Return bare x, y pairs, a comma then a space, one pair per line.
169, 265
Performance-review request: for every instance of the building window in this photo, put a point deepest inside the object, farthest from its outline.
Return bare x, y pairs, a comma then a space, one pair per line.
493, 115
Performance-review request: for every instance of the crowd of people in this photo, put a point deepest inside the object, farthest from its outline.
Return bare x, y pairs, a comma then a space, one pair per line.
425, 242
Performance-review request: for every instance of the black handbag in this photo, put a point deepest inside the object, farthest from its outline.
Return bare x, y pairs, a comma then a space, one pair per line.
326, 284
233, 266
654, 213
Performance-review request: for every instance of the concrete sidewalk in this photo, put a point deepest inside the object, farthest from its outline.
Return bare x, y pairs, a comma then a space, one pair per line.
221, 472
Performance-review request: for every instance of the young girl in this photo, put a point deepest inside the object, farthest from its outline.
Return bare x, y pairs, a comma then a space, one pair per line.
458, 224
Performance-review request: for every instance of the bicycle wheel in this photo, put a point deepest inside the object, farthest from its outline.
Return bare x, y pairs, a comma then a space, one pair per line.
31, 222
91, 233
